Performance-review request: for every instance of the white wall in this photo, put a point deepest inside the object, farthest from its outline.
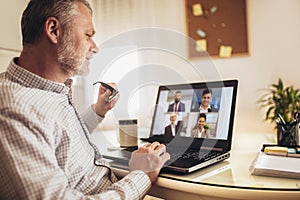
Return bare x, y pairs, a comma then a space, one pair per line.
274, 30
10, 34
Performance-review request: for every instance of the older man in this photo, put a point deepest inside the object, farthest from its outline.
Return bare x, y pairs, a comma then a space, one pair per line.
45, 148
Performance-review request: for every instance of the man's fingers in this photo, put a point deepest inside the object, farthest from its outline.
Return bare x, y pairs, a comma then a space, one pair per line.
143, 149
165, 157
149, 158
146, 145
155, 145
161, 149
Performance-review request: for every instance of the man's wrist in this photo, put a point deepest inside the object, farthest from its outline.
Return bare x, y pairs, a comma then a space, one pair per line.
99, 114
153, 176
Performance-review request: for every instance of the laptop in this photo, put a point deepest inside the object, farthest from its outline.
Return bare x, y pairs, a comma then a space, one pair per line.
202, 134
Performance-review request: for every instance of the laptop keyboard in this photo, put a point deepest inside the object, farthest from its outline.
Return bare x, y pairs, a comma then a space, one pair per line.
191, 158
196, 155
200, 155
186, 159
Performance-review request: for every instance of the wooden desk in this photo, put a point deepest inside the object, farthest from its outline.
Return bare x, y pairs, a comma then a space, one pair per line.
229, 179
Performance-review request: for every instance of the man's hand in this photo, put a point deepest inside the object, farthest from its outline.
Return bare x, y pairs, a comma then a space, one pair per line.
149, 158
103, 105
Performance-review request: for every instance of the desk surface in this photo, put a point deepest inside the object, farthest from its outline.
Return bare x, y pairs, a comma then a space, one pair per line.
229, 179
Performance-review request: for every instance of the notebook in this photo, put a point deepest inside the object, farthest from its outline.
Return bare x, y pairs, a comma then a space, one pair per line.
202, 132
277, 166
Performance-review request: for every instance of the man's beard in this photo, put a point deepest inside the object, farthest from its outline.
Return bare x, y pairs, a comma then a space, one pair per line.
84, 68
71, 62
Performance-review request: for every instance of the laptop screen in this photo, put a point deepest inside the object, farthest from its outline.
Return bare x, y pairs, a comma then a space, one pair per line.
198, 111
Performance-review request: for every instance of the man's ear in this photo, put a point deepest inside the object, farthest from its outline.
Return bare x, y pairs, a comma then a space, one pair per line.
52, 29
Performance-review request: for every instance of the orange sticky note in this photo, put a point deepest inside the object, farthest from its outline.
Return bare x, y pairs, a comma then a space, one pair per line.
197, 9
201, 45
225, 51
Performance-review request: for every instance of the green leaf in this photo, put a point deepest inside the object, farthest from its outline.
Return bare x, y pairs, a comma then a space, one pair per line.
280, 99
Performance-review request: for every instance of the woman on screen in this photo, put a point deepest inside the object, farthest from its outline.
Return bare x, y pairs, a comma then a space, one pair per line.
201, 130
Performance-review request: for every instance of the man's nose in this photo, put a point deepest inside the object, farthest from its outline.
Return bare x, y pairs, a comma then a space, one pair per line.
94, 47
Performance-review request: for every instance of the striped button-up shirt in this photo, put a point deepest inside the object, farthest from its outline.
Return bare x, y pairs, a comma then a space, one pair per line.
45, 150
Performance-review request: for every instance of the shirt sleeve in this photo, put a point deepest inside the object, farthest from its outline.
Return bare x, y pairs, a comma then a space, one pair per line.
133, 186
30, 170
91, 119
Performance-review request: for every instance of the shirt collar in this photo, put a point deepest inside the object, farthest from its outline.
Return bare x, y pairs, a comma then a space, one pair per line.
29, 79
202, 130
209, 107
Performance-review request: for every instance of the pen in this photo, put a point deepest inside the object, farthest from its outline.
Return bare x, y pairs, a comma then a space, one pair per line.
281, 119
297, 116
113, 91
283, 124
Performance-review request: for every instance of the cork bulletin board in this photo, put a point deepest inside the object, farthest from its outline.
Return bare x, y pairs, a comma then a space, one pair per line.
217, 27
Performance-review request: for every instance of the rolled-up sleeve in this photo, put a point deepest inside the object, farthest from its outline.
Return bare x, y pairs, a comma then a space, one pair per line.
91, 119
133, 186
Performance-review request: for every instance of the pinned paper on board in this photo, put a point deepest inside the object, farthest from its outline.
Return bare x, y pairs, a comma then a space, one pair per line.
201, 33
197, 9
225, 51
213, 9
201, 45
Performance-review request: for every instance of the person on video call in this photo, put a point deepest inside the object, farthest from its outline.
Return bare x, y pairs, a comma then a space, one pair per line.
46, 152
205, 105
201, 131
177, 106
174, 127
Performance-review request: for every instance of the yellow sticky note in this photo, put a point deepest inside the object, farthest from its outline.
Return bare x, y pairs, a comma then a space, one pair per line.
201, 45
197, 9
225, 51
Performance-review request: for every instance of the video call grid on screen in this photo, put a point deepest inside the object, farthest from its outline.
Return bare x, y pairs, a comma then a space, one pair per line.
217, 120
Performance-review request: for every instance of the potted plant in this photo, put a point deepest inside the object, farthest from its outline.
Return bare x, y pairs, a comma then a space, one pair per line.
282, 102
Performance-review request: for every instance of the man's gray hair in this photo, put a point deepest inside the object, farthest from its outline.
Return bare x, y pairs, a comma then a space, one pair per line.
38, 11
